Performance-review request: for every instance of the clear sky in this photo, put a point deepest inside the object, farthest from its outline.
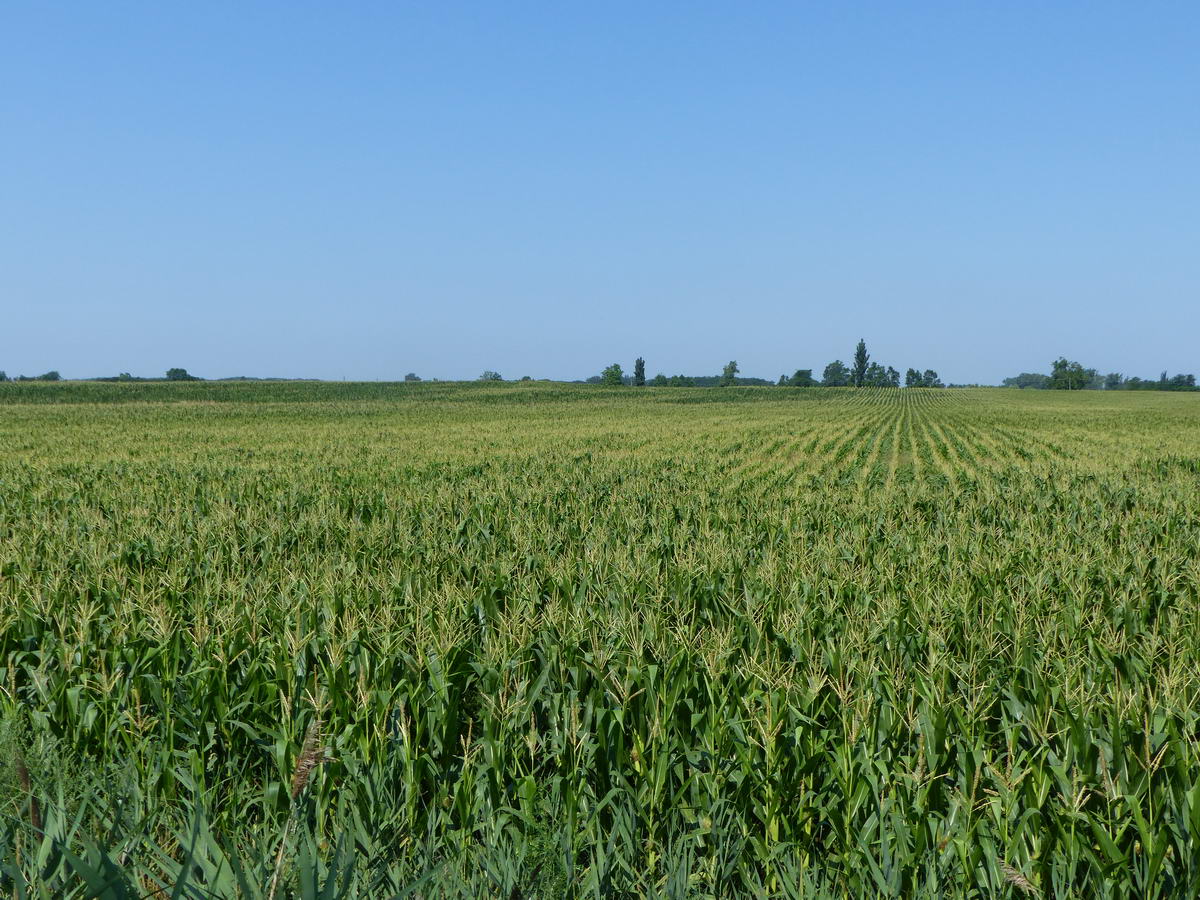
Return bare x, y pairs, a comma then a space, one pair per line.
362, 190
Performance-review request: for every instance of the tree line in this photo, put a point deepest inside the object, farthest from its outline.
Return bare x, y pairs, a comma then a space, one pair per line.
1065, 375
1070, 375
52, 375
861, 373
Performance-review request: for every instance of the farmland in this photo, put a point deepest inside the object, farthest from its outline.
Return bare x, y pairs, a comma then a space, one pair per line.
536, 640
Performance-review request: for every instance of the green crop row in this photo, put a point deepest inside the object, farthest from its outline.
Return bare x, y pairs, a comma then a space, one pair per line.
542, 641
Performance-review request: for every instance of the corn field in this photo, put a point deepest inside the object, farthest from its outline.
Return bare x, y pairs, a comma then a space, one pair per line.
535, 640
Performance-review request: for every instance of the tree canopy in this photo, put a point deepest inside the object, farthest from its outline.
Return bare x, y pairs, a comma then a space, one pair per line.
836, 374
858, 374
612, 376
1069, 375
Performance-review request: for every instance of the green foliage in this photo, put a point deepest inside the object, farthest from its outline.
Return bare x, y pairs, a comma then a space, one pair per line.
1067, 375
801, 378
177, 375
412, 377
729, 373
858, 374
580, 643
1027, 380
836, 374
489, 375
639, 372
878, 375
928, 378
1181, 382
612, 376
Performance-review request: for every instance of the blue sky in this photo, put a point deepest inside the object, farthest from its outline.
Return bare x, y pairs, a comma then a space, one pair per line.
363, 190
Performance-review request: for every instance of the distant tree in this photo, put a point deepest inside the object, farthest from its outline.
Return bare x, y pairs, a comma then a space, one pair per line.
412, 376
1180, 382
836, 374
3, 376
659, 380
928, 378
893, 377
612, 375
681, 381
1113, 381
639, 372
858, 375
1068, 375
52, 375
783, 380
802, 378
729, 373
489, 375
1033, 380
526, 378
180, 375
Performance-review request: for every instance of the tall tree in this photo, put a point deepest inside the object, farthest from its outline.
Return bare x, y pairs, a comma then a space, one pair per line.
639, 372
836, 374
931, 379
1113, 381
729, 373
912, 378
858, 375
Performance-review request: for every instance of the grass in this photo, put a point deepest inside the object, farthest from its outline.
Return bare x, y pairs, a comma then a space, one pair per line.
566, 641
